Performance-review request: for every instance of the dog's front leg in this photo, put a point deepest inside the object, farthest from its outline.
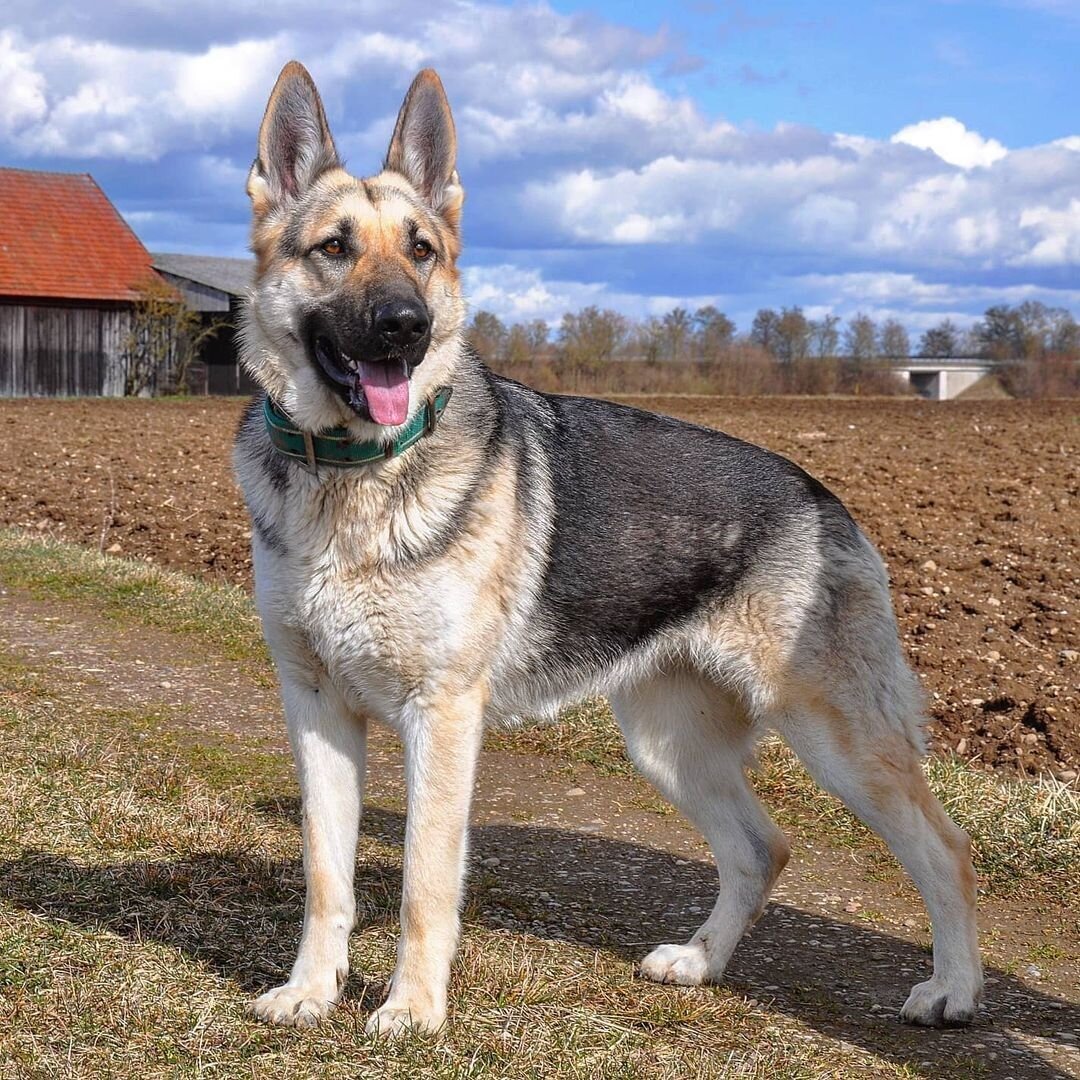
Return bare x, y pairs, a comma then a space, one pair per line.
442, 743
329, 746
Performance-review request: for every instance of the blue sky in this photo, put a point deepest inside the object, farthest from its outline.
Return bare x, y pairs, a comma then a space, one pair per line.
1005, 69
916, 160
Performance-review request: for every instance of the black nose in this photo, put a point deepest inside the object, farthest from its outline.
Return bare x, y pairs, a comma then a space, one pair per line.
401, 322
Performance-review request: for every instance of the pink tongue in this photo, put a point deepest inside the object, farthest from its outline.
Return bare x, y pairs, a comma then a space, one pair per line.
386, 390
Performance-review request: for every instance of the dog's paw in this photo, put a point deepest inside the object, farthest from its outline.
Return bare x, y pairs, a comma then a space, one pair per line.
937, 1004
685, 965
393, 1020
294, 1006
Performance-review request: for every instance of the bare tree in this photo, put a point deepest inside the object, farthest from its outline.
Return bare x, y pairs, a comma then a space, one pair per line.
1065, 334
590, 337
941, 340
763, 330
487, 334
1025, 332
678, 329
714, 332
647, 339
163, 338
538, 335
860, 347
517, 345
860, 338
792, 335
895, 343
825, 336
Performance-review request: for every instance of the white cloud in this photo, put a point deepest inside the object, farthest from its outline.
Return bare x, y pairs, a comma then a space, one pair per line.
568, 140
99, 100
23, 99
1056, 233
66, 96
675, 199
878, 288
952, 142
516, 294
780, 192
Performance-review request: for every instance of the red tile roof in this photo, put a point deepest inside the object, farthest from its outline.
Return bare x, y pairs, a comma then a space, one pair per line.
60, 237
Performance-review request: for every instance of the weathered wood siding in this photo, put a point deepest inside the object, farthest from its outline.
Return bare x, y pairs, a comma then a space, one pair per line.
221, 354
197, 296
53, 351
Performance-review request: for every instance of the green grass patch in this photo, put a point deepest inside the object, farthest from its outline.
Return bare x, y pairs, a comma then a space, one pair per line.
1022, 832
220, 616
584, 734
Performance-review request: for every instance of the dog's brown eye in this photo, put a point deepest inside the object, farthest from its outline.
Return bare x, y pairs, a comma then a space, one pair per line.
421, 250
333, 246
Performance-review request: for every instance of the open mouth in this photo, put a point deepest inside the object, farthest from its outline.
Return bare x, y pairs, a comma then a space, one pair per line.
379, 388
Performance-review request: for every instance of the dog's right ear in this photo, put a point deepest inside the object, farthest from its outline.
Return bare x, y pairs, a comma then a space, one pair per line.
295, 144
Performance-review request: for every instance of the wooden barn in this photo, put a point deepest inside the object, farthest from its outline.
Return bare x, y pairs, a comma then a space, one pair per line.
214, 287
69, 268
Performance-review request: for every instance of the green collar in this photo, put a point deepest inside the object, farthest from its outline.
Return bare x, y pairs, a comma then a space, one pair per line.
336, 446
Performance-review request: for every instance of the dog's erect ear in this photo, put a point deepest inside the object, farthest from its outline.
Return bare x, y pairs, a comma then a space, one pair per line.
295, 144
424, 146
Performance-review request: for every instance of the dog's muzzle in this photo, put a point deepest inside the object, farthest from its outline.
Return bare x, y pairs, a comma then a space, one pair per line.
370, 365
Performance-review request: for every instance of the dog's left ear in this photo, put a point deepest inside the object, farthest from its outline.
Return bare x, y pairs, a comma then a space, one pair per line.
424, 147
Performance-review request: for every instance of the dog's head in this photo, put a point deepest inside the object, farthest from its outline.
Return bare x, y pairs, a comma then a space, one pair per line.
357, 311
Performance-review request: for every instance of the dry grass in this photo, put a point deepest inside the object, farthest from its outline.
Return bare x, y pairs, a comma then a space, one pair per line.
148, 888
1025, 835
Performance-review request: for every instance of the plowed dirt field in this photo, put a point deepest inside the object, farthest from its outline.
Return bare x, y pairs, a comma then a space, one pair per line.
974, 505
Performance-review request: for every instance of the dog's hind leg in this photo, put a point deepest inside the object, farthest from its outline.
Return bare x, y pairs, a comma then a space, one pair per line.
693, 744
875, 770
329, 749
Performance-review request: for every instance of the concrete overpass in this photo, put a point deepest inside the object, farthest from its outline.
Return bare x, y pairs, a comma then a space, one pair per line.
941, 379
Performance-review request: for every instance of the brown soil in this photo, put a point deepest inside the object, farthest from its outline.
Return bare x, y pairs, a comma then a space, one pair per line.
562, 851
974, 505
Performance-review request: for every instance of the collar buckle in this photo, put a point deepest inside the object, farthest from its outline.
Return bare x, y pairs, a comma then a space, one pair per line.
431, 416
311, 463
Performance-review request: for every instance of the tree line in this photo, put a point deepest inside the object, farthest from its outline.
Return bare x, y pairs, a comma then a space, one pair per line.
783, 351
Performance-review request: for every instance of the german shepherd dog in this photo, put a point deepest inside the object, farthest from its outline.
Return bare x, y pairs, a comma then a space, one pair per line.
529, 550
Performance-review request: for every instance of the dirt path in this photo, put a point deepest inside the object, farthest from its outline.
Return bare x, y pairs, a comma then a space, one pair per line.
837, 949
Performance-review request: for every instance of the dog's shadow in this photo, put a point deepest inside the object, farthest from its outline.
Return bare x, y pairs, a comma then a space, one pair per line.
239, 913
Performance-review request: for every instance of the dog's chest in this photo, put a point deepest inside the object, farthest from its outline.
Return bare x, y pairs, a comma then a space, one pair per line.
385, 626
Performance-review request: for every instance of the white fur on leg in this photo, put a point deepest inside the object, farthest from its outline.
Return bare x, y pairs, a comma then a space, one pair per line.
391, 1021
442, 743
686, 736
879, 779
301, 1006
936, 1002
684, 965
329, 747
